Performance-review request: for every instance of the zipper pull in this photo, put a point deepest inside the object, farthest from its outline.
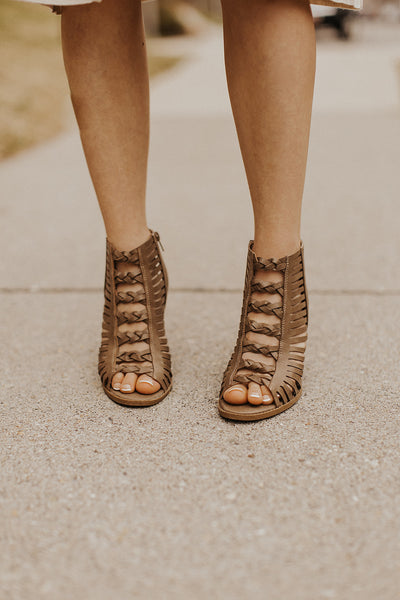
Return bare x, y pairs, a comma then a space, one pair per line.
156, 236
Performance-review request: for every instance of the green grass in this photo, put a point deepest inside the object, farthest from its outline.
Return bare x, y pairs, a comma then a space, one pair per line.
34, 95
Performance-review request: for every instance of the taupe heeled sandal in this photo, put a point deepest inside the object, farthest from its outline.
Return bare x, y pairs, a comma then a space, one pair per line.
155, 361
283, 378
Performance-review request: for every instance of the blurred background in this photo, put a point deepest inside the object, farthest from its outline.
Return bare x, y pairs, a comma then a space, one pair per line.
33, 91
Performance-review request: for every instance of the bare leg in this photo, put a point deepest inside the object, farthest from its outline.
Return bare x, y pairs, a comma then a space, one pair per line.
270, 66
106, 64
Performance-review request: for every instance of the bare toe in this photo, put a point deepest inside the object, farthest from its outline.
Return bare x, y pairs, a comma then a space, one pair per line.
267, 396
128, 384
116, 381
237, 394
147, 385
254, 394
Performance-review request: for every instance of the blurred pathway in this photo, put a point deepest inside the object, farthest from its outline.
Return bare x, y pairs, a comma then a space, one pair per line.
101, 501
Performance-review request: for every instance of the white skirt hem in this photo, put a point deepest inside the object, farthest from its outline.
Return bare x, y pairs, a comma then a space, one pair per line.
350, 4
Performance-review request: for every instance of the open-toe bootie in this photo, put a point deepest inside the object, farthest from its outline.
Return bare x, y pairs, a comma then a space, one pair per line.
287, 333
144, 271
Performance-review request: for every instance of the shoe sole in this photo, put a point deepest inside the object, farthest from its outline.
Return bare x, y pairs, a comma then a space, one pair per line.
138, 400
232, 416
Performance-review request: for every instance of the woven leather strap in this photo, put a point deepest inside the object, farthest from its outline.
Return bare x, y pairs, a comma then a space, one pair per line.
283, 378
146, 268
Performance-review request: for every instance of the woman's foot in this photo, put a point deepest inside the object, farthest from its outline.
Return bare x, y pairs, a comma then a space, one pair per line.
253, 392
264, 374
127, 383
134, 359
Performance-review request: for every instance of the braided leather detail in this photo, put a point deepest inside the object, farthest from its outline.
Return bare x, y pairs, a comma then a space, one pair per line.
128, 278
257, 367
266, 286
261, 379
262, 306
131, 337
273, 330
131, 317
150, 272
284, 377
269, 264
125, 257
128, 297
138, 368
133, 356
262, 349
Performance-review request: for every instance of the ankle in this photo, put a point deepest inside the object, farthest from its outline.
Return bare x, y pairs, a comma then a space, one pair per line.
130, 239
271, 247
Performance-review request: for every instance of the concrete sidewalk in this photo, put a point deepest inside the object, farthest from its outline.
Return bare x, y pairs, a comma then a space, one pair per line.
172, 502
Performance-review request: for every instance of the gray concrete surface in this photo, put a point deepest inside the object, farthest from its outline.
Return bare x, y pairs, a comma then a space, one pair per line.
99, 501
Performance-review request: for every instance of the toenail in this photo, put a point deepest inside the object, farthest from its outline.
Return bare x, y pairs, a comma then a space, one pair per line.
267, 400
146, 379
255, 395
117, 386
126, 388
235, 389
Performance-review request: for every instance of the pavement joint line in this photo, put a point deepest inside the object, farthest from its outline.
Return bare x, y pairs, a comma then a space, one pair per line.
194, 290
